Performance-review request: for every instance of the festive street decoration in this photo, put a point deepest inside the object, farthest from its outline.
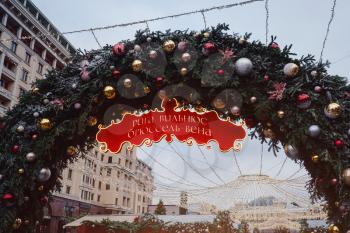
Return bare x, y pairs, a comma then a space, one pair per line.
169, 123
277, 81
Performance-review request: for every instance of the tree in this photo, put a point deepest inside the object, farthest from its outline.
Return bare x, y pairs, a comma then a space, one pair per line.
160, 210
243, 227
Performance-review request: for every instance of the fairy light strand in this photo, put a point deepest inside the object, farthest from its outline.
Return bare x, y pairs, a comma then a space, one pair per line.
328, 28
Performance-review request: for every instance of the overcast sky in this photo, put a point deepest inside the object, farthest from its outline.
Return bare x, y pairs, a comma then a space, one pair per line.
300, 22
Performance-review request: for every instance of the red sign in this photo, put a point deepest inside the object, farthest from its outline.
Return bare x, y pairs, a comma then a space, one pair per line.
172, 121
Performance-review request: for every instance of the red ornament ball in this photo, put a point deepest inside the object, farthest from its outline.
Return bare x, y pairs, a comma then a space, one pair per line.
159, 80
85, 75
266, 77
317, 89
339, 143
302, 98
334, 181
7, 197
208, 48
44, 200
116, 73
118, 49
34, 137
274, 45
15, 149
220, 72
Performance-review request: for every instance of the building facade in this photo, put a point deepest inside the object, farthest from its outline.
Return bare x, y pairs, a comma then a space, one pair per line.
30, 45
102, 183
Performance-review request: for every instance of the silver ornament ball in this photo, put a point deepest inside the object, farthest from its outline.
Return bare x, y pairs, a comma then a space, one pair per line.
74, 85
46, 101
20, 129
137, 48
253, 99
291, 151
44, 174
314, 73
314, 131
127, 83
149, 39
244, 66
36, 114
153, 54
30, 157
186, 57
235, 110
77, 105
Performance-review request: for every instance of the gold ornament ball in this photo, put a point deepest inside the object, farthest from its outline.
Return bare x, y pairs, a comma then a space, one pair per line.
20, 171
146, 90
35, 90
206, 34
219, 103
346, 176
184, 71
333, 110
45, 124
17, 224
315, 158
137, 65
71, 151
199, 108
92, 121
109, 92
169, 46
336, 204
333, 229
291, 69
242, 40
280, 114
253, 99
41, 188
268, 133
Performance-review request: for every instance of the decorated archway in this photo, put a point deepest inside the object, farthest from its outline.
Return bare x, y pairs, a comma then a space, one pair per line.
292, 101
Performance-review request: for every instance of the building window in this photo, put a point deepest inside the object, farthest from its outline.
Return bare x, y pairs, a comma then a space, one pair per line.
21, 91
93, 183
25, 74
27, 58
70, 171
119, 161
116, 201
68, 189
102, 157
40, 68
13, 46
92, 196
99, 184
110, 158
109, 171
98, 198
108, 186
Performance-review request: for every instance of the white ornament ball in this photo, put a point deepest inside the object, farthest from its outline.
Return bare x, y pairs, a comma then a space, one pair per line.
44, 174
314, 73
46, 101
244, 66
253, 99
153, 54
149, 39
36, 114
291, 69
74, 85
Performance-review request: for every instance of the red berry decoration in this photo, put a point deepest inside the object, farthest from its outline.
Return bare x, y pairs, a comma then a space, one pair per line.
116, 73
118, 49
159, 80
266, 77
220, 72
8, 199
15, 149
44, 200
339, 143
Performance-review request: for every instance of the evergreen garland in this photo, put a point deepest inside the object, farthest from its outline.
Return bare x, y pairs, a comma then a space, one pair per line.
49, 122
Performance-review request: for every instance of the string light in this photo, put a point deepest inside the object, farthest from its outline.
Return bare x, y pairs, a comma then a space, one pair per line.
93, 34
328, 28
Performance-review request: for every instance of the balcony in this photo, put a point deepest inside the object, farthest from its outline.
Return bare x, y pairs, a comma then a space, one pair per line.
5, 93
